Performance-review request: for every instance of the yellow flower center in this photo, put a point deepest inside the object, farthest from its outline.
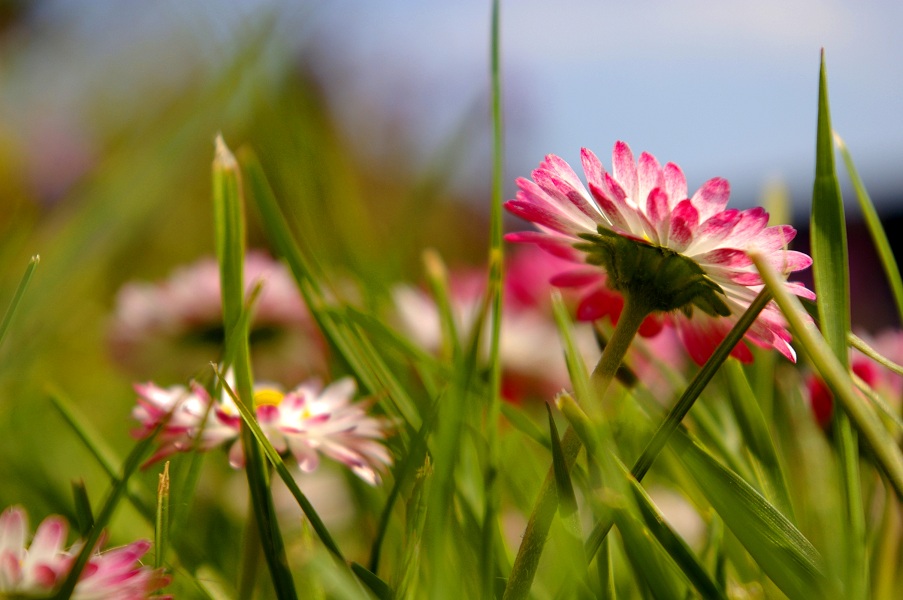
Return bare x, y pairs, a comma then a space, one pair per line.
268, 397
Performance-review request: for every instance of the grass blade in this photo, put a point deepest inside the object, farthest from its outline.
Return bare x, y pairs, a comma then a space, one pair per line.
84, 516
830, 269
17, 296
830, 368
876, 229
161, 530
758, 437
785, 555
495, 291
229, 222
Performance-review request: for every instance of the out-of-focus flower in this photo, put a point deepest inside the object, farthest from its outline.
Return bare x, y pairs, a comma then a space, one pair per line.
305, 422
639, 230
38, 568
174, 327
884, 382
532, 359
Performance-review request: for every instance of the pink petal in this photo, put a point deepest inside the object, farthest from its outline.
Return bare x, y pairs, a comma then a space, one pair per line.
623, 168
553, 244
719, 226
712, 197
774, 238
675, 183
595, 172
726, 257
611, 205
684, 222
659, 213
788, 261
544, 213
600, 303
649, 177
578, 277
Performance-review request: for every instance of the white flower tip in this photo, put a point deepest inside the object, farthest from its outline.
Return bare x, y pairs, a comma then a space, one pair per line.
838, 141
35, 259
434, 265
224, 158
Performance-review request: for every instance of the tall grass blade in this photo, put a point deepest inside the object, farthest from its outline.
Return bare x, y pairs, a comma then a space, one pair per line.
495, 291
229, 226
876, 229
17, 296
830, 269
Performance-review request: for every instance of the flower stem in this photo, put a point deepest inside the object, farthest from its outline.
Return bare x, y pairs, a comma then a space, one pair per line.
632, 316
527, 560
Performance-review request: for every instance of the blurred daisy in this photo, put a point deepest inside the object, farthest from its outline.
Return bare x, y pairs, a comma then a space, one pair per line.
304, 423
638, 233
532, 359
174, 327
38, 568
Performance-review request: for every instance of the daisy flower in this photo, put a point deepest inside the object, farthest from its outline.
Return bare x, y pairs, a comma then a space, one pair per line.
39, 568
304, 423
637, 232
175, 326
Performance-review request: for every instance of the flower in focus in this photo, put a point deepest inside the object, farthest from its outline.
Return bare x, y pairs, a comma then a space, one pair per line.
305, 422
637, 232
884, 382
37, 569
174, 327
532, 360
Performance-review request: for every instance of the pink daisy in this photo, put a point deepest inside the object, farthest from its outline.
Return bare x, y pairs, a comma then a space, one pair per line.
175, 326
305, 422
39, 568
637, 231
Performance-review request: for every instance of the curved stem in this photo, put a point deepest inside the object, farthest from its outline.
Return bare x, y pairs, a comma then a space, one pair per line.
527, 560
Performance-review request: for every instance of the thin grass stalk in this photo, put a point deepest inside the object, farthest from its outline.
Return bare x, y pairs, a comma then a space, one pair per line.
17, 296
876, 229
496, 291
161, 529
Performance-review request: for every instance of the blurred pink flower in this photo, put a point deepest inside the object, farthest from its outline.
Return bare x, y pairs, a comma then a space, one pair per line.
883, 381
305, 422
643, 205
36, 570
174, 327
532, 358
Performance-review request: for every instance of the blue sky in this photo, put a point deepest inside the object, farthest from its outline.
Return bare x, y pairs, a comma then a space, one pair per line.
721, 88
